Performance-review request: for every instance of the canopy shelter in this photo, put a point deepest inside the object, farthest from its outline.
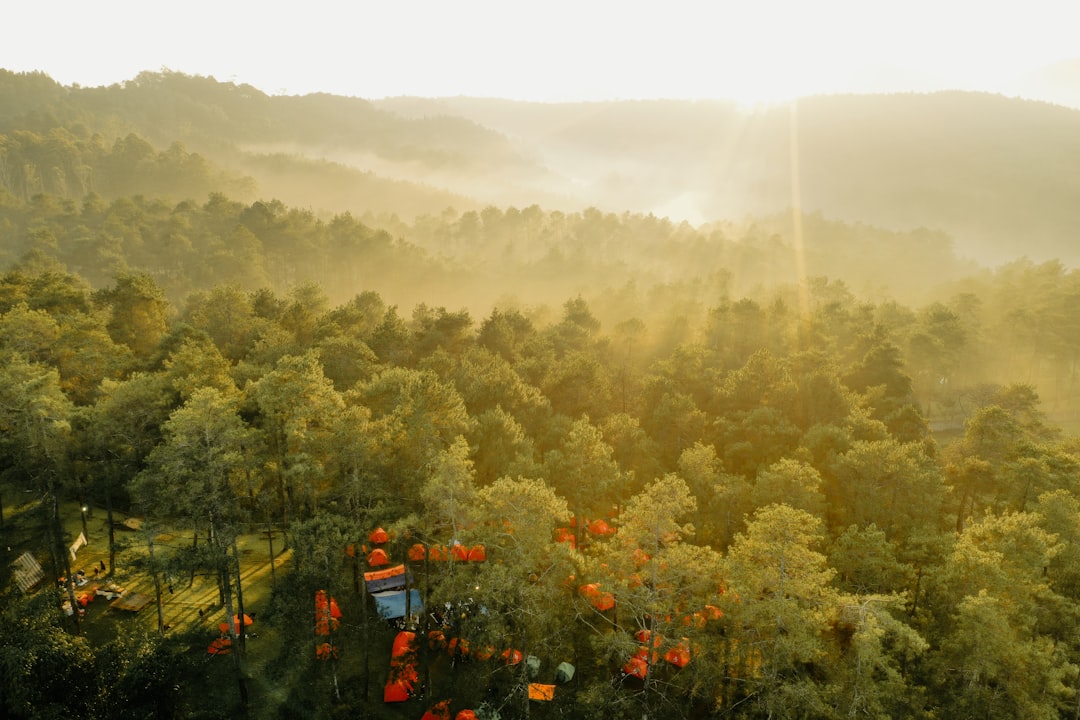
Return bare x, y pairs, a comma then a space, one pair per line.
539, 691
391, 604
131, 602
28, 572
393, 578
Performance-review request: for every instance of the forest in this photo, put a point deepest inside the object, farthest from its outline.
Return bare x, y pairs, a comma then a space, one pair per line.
787, 466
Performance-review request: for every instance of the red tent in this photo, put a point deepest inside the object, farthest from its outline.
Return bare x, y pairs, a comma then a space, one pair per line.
379, 536
378, 558
512, 657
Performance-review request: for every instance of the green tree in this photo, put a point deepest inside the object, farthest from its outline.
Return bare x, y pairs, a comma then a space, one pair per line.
138, 313
777, 630
297, 407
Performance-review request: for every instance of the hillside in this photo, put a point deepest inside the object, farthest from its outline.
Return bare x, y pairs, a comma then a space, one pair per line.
995, 173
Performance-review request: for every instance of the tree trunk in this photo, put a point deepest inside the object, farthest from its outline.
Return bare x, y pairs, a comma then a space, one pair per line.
194, 546
112, 528
270, 542
157, 585
230, 619
241, 631
58, 545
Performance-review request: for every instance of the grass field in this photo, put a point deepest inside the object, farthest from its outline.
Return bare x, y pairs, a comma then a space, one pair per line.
191, 608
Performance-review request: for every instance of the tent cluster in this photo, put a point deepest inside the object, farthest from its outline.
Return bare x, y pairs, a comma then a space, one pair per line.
222, 645
599, 599
645, 657
441, 553
378, 556
598, 528
441, 711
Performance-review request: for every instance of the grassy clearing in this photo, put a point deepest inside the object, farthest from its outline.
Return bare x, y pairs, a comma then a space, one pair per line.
191, 606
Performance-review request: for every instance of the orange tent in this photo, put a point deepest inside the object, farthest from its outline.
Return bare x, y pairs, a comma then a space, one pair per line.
638, 665
465, 715
224, 627
565, 535
220, 646
325, 651
327, 614
713, 613
477, 553
417, 552
436, 639
378, 558
403, 675
438, 711
379, 536
459, 552
679, 656
512, 657
601, 527
396, 691
438, 553
599, 599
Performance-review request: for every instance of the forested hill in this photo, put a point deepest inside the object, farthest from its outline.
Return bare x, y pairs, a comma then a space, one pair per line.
996, 174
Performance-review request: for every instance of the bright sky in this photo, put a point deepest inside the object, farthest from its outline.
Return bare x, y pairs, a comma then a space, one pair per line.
750, 50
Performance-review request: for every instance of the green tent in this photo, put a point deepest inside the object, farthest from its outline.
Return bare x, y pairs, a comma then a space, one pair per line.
564, 673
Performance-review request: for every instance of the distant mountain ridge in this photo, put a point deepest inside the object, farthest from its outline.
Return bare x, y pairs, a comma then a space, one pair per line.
996, 173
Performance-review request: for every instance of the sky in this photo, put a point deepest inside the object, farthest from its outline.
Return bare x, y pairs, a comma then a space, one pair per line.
557, 50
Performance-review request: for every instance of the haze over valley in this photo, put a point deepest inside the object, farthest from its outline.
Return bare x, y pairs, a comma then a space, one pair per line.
484, 361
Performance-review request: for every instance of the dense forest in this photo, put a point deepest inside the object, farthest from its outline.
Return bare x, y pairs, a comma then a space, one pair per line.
780, 467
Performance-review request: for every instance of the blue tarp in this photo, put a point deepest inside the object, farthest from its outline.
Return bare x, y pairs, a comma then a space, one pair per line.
391, 605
